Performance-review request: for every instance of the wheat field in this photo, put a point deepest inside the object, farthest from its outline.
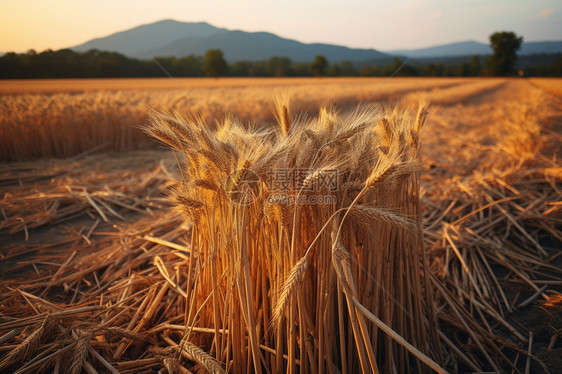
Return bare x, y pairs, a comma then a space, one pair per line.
109, 114
435, 247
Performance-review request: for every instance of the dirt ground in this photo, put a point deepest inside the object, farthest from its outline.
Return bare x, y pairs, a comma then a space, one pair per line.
54, 208
459, 140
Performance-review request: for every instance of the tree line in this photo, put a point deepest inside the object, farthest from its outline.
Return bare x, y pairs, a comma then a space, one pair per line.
66, 63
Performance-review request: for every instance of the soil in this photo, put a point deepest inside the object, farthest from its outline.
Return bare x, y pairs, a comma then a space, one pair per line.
449, 147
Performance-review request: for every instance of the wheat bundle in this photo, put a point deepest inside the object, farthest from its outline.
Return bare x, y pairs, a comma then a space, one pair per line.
307, 250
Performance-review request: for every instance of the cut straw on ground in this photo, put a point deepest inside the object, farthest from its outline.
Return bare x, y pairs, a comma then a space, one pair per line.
157, 290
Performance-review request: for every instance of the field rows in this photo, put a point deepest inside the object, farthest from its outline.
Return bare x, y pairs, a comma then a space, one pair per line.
92, 236
41, 124
50, 86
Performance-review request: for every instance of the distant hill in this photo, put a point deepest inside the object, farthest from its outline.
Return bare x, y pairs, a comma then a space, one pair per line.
241, 45
446, 50
178, 39
530, 48
136, 41
173, 38
475, 48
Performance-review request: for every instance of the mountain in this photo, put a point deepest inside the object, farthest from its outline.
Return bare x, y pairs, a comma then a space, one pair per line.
445, 50
240, 45
475, 48
541, 47
173, 38
136, 41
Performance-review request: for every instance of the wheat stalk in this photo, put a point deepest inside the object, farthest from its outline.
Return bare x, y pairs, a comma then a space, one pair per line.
243, 251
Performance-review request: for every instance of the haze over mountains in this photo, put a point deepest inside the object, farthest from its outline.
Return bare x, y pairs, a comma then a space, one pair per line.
476, 48
173, 38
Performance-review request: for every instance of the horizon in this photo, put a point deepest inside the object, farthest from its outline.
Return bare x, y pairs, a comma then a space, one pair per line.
417, 24
257, 31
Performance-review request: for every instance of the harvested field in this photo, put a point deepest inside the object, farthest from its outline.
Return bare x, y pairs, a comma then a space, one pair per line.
107, 114
99, 272
551, 85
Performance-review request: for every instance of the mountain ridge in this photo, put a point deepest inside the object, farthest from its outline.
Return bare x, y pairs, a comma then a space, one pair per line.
471, 47
133, 41
174, 38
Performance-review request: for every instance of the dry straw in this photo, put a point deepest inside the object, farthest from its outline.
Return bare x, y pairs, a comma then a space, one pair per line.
63, 118
331, 277
324, 286
135, 296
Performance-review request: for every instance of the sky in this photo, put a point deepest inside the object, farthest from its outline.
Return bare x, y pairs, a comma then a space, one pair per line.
384, 24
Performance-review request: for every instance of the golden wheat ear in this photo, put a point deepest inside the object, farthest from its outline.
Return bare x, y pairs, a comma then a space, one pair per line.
282, 113
262, 261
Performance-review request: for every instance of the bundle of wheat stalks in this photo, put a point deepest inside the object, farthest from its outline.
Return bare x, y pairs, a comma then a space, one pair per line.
306, 246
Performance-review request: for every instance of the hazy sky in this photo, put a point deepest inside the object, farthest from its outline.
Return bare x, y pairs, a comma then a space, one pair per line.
383, 24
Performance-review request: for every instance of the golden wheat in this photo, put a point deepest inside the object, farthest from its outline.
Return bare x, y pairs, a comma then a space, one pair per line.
62, 118
457, 93
490, 197
551, 85
278, 284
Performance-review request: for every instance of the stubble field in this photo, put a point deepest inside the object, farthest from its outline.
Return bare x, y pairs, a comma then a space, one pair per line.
95, 264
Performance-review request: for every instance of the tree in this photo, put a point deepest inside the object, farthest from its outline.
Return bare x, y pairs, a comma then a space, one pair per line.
215, 64
343, 69
505, 45
319, 66
301, 69
464, 70
470, 69
399, 69
241, 69
475, 68
347, 68
188, 66
278, 66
